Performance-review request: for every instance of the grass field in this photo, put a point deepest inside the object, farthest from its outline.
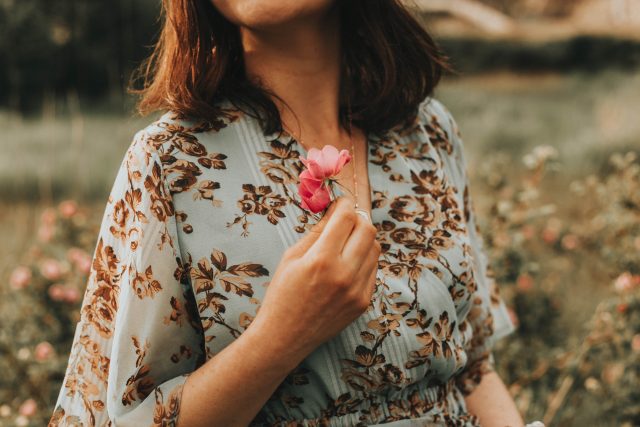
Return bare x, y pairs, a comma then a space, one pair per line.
503, 118
584, 116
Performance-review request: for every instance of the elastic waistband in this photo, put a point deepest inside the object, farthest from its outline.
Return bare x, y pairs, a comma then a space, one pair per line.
441, 404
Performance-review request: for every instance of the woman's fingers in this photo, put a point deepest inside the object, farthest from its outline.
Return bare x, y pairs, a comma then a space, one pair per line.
372, 282
338, 227
359, 244
306, 241
370, 266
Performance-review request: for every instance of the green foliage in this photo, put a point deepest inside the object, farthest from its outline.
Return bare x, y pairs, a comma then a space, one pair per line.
558, 369
51, 48
39, 310
562, 228
574, 360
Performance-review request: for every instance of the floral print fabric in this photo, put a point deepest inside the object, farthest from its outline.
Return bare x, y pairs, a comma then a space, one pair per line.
197, 221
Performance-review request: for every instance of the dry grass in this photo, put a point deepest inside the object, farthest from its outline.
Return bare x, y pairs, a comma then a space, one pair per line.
501, 117
584, 116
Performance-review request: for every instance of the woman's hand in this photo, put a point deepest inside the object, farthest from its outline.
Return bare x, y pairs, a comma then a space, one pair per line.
323, 282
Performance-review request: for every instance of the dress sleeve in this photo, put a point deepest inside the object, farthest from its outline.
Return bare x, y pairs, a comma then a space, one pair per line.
139, 336
488, 317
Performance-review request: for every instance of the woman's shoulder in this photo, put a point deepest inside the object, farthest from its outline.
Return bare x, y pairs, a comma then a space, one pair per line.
173, 132
173, 150
433, 105
172, 124
435, 118
433, 111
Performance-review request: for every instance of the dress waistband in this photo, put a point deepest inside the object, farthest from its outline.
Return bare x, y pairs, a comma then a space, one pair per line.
415, 405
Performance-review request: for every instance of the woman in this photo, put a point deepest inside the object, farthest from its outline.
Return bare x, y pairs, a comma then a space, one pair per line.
214, 300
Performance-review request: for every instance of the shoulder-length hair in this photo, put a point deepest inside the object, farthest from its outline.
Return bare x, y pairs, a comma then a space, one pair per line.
389, 65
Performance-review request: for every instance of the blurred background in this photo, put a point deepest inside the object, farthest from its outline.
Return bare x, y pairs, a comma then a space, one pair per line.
547, 97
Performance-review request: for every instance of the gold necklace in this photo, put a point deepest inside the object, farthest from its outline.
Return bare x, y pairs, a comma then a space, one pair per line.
361, 212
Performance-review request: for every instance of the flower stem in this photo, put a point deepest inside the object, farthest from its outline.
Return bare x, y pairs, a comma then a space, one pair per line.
340, 185
333, 194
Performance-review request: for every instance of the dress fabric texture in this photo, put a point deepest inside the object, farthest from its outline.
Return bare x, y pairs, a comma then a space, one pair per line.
197, 220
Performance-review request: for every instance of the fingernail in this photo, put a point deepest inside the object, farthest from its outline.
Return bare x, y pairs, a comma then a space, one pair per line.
364, 214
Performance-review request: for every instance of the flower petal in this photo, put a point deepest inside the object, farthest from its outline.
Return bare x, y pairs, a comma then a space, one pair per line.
318, 201
314, 193
330, 158
316, 170
314, 154
343, 159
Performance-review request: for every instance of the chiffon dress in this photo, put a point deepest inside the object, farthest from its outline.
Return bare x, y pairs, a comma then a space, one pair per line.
196, 223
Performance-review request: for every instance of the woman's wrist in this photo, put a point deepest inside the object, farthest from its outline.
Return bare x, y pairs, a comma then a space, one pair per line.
492, 403
217, 392
275, 345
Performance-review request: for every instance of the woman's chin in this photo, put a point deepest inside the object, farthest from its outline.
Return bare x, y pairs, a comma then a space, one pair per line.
271, 14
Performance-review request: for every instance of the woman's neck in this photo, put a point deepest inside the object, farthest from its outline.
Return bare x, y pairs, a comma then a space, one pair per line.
300, 62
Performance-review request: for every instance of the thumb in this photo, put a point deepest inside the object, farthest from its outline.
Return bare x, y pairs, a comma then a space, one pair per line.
305, 242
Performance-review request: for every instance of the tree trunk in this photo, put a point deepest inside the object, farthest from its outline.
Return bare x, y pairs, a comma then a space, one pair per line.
480, 15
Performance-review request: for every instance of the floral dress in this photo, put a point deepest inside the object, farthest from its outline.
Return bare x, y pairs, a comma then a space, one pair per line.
197, 220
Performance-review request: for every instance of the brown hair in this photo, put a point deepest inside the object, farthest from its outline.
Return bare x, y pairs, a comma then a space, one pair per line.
389, 65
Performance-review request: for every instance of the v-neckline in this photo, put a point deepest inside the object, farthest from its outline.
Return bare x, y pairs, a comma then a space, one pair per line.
290, 227
302, 151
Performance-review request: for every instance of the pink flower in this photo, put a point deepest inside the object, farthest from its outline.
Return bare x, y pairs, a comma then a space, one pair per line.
56, 292
68, 208
569, 241
80, 259
85, 265
45, 232
314, 193
315, 181
43, 351
71, 295
325, 163
51, 269
20, 277
625, 282
48, 216
525, 282
551, 232
635, 343
549, 235
74, 254
28, 408
528, 232
612, 372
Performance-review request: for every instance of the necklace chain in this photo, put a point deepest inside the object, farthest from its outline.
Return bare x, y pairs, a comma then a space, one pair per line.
353, 151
